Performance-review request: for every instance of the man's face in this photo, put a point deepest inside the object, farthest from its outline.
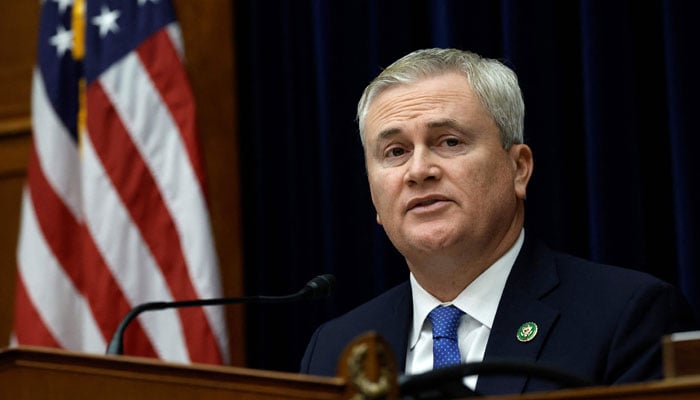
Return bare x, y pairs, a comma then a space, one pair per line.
439, 176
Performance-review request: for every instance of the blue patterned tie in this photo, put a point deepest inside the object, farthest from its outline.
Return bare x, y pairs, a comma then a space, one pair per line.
445, 322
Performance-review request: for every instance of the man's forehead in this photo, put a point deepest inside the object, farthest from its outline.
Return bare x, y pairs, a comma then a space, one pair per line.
431, 103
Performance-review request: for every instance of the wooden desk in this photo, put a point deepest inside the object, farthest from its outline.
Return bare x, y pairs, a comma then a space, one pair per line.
28, 373
38, 373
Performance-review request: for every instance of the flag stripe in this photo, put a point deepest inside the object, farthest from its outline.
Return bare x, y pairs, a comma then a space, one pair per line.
57, 151
139, 192
173, 30
161, 61
28, 325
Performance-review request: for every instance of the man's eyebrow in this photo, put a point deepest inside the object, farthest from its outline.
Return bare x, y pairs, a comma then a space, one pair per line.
441, 123
449, 123
388, 133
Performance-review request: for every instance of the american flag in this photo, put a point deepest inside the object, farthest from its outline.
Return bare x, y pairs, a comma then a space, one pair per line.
114, 211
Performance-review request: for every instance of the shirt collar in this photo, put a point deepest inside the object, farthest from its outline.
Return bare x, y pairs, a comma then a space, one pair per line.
480, 299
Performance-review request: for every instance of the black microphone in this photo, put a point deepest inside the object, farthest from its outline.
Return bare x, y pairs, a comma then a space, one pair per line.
317, 288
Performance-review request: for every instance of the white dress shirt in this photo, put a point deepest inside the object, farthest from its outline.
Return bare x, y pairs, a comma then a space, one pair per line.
479, 301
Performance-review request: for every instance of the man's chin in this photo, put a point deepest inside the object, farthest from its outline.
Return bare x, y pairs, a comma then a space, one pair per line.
432, 241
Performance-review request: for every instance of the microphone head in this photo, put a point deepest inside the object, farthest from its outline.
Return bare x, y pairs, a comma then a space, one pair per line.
319, 287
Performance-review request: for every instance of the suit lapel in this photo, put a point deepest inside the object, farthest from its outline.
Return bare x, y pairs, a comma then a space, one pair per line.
396, 324
533, 275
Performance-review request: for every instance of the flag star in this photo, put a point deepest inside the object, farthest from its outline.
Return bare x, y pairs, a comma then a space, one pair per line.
63, 40
63, 4
142, 2
107, 21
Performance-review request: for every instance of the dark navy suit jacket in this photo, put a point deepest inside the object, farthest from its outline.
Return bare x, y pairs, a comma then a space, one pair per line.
598, 322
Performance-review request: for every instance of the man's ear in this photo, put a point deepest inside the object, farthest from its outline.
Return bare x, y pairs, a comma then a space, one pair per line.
379, 219
523, 164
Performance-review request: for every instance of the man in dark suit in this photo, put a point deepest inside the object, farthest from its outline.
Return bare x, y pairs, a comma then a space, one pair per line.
442, 131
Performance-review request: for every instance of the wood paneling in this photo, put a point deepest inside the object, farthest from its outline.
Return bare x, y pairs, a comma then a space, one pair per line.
18, 32
208, 35
11, 182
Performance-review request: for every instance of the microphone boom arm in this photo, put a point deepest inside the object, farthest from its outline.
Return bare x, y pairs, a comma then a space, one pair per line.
319, 287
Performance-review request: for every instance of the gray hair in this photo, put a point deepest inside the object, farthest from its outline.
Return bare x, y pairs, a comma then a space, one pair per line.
494, 84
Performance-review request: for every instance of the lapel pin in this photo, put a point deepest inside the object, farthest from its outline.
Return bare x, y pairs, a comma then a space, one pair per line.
527, 332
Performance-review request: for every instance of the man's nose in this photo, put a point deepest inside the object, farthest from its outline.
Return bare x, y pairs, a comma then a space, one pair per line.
422, 167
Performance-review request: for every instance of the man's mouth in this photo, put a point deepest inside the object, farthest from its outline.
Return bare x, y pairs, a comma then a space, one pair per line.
424, 202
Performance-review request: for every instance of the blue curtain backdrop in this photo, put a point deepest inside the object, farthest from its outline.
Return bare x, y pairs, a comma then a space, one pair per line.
611, 93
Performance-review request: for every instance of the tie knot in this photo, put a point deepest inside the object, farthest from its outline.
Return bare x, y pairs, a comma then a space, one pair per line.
445, 321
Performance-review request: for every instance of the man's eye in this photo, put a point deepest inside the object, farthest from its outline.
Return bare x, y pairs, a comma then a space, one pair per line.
451, 142
395, 152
